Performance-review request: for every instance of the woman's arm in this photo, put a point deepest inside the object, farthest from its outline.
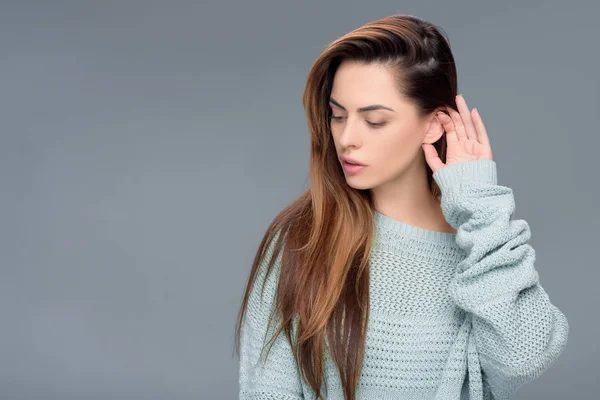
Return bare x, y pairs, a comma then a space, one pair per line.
277, 377
518, 332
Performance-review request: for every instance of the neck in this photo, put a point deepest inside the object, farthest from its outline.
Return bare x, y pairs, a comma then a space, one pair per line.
408, 199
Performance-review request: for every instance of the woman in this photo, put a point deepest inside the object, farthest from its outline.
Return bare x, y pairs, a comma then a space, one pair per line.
405, 277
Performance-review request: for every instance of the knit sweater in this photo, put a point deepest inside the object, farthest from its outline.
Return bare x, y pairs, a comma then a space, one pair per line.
452, 315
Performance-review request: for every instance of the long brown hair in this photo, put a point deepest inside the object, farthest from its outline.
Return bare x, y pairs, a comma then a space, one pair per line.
323, 286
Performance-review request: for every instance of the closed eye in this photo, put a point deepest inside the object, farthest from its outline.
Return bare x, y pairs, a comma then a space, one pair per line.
373, 124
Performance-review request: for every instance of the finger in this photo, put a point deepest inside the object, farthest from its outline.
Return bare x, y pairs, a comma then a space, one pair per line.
482, 136
448, 125
465, 114
432, 157
458, 125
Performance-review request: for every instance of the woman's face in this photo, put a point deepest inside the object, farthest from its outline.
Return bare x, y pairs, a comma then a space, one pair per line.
386, 138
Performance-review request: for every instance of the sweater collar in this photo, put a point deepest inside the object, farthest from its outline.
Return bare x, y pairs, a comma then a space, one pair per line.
385, 224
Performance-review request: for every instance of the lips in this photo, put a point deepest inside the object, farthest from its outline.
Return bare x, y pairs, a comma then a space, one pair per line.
352, 169
352, 161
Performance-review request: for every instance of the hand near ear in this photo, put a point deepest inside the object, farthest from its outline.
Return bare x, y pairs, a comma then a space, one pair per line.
466, 137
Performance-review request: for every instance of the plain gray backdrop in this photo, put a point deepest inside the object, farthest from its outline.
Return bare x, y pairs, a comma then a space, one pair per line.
146, 146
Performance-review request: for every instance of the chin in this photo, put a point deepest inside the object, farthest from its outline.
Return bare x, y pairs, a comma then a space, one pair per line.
358, 184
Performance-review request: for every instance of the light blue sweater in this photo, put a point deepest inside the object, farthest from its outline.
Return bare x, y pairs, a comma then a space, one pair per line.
452, 316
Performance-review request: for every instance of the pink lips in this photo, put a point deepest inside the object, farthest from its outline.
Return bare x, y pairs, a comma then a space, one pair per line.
352, 169
351, 160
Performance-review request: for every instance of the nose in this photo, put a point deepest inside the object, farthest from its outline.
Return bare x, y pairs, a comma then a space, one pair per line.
350, 135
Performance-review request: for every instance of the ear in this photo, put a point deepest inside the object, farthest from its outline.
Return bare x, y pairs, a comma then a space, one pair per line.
434, 130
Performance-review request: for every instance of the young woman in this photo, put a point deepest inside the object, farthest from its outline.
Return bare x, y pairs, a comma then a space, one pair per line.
401, 273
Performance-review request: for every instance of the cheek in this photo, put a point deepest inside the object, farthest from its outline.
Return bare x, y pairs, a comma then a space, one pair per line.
395, 146
395, 151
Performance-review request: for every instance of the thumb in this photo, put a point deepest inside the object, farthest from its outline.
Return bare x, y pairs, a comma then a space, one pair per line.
431, 156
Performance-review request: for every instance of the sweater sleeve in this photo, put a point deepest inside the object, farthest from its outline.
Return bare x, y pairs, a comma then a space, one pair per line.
260, 377
518, 332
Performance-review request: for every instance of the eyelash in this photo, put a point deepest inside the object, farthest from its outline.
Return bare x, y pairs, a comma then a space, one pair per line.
374, 125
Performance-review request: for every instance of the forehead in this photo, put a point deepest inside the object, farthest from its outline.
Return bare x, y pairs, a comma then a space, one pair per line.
356, 84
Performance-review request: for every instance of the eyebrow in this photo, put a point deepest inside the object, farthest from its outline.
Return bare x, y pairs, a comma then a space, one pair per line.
362, 109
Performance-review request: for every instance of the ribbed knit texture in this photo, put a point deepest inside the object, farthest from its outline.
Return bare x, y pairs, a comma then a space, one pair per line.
452, 316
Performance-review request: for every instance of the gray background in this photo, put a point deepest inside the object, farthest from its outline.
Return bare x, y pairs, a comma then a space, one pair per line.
146, 146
